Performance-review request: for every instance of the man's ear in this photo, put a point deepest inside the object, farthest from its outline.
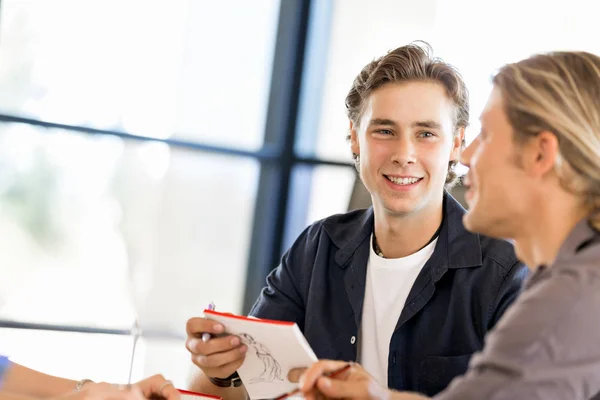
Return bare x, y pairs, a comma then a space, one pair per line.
354, 139
457, 141
540, 153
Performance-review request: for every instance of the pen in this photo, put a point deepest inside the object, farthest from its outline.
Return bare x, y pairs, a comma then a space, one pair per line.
135, 332
331, 374
206, 335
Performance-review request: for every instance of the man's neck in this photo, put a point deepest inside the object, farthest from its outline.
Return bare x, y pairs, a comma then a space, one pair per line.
545, 230
402, 235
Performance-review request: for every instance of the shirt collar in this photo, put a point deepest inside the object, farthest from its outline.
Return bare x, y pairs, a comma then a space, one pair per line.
456, 247
579, 238
581, 235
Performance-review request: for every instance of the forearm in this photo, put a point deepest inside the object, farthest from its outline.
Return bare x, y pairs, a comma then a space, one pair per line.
13, 396
200, 383
20, 380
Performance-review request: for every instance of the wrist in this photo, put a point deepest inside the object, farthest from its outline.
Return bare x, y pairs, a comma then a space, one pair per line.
232, 380
79, 386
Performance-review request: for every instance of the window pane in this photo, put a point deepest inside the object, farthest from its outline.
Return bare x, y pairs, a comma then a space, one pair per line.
493, 45
477, 36
316, 193
82, 214
197, 68
96, 356
384, 25
330, 191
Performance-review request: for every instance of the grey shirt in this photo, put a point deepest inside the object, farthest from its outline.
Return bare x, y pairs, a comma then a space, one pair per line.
547, 344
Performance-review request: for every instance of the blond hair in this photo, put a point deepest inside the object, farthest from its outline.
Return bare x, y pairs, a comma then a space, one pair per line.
560, 92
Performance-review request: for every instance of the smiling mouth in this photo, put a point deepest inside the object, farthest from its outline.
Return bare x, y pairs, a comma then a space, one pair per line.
402, 181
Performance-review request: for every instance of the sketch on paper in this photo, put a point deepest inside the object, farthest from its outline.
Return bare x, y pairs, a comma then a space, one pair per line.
274, 347
271, 369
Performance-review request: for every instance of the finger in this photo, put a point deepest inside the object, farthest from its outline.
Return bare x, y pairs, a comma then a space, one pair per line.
135, 394
198, 326
217, 360
318, 369
119, 386
170, 393
319, 396
295, 374
152, 385
308, 396
214, 345
158, 385
115, 392
312, 395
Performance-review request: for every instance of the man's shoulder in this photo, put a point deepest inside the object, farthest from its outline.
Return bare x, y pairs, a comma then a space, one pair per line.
337, 230
342, 227
474, 249
497, 251
341, 221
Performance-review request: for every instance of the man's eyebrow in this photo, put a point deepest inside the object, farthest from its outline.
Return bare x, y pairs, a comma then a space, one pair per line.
382, 121
427, 124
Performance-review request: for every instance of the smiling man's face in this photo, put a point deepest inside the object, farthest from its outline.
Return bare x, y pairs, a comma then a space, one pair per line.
405, 141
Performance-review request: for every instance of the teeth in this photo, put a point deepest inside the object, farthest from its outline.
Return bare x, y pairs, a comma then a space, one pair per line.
403, 181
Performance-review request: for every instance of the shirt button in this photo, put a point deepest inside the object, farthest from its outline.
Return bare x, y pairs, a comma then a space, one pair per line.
353, 339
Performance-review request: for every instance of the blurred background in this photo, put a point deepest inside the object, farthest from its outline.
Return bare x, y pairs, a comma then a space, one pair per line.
159, 155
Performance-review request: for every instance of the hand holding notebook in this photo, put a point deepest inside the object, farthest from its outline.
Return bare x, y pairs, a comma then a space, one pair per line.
215, 352
274, 348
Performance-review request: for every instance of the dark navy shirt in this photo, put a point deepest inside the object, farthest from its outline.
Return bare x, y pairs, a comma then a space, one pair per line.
460, 293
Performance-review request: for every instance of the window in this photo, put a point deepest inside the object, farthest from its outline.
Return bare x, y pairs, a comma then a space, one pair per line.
101, 224
494, 34
148, 68
148, 153
100, 357
88, 215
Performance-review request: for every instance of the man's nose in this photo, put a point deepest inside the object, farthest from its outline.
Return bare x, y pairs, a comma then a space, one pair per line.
404, 152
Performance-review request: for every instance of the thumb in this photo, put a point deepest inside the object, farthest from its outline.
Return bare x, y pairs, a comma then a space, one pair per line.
295, 374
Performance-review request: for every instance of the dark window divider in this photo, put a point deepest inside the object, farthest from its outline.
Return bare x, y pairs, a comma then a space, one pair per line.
148, 333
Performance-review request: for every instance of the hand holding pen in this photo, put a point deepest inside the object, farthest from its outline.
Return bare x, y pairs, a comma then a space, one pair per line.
331, 374
206, 335
337, 380
215, 352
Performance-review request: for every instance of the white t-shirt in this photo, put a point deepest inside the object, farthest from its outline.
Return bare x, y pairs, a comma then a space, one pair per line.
389, 280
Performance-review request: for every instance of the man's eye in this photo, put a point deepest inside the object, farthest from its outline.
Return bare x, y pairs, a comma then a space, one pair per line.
384, 131
427, 134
